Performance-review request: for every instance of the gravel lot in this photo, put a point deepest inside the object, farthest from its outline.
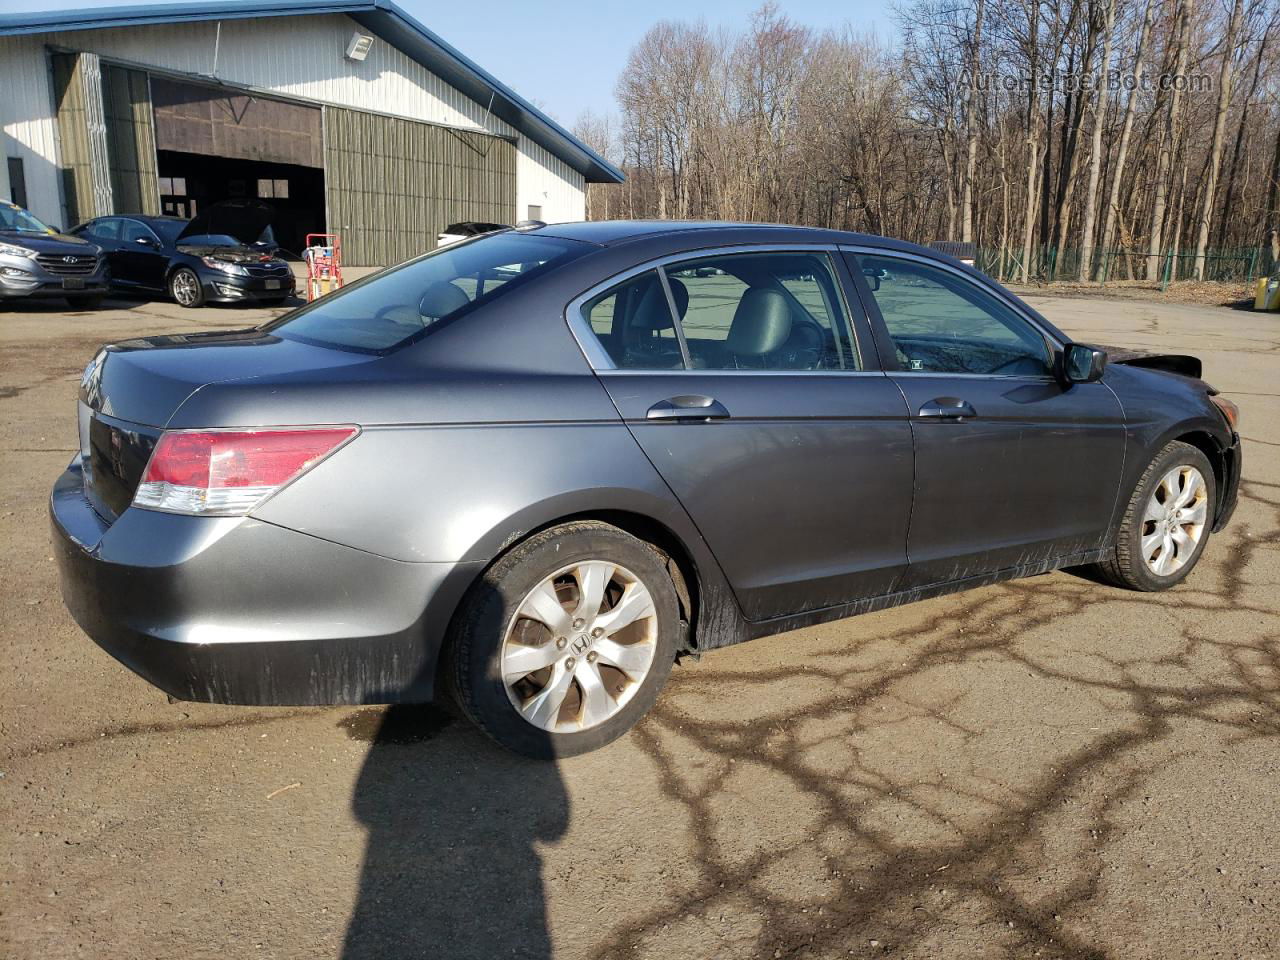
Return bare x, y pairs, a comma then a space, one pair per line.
1044, 768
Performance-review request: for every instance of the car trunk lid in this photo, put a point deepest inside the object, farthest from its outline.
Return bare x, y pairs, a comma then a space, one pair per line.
131, 390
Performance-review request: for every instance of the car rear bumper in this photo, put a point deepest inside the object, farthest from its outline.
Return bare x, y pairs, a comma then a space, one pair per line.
235, 610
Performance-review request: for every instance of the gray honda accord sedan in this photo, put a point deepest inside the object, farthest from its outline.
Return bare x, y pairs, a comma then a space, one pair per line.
536, 467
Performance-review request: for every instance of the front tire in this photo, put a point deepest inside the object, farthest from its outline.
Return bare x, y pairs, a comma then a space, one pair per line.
1167, 521
185, 288
566, 641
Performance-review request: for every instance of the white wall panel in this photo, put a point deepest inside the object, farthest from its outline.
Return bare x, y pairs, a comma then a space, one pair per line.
545, 180
300, 56
27, 120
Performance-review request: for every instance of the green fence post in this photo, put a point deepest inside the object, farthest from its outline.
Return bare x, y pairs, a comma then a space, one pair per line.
1168, 271
1253, 265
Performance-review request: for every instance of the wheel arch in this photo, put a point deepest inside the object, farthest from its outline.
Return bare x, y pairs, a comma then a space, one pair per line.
1216, 453
708, 606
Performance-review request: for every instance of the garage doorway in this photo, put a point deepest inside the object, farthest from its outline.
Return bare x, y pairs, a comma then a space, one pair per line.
190, 183
215, 144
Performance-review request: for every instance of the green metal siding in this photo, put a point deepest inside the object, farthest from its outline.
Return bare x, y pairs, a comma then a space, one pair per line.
131, 141
393, 184
72, 89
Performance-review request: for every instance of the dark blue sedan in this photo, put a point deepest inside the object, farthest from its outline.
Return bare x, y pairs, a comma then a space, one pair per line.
209, 259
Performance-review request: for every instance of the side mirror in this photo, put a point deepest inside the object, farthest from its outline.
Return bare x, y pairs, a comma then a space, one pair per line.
1082, 363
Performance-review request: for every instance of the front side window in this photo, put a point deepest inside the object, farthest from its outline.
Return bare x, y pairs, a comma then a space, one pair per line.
943, 323
389, 309
750, 311
132, 231
107, 228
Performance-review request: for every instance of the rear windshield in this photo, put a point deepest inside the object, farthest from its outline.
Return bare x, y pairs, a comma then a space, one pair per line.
391, 308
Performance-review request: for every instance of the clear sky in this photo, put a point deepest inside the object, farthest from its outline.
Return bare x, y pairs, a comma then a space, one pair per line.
566, 56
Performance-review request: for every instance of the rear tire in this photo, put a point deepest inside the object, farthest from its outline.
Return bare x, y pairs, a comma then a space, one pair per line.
1166, 523
185, 288
566, 641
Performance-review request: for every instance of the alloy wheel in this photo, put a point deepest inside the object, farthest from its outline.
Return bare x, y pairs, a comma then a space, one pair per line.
186, 287
579, 646
1174, 521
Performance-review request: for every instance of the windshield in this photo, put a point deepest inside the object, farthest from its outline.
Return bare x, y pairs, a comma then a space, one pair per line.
169, 230
19, 221
390, 308
211, 240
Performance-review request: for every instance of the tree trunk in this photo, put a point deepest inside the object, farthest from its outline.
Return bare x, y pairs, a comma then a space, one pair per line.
1234, 167
1113, 199
1219, 126
1095, 154
1164, 156
971, 129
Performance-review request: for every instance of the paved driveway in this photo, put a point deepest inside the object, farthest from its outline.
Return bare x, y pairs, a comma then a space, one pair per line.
1044, 768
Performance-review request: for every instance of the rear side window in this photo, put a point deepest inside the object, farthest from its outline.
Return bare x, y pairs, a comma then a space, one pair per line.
753, 311
391, 308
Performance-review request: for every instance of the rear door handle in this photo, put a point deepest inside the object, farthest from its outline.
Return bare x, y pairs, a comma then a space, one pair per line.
947, 408
688, 407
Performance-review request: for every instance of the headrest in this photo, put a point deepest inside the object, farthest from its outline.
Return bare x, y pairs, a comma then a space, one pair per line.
761, 324
652, 313
441, 299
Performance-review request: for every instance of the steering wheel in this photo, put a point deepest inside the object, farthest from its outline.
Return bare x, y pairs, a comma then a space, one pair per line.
400, 313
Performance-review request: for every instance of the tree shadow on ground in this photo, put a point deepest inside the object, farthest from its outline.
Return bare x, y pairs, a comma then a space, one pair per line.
983, 847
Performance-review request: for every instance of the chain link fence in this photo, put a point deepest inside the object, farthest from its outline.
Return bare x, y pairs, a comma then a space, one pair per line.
1047, 264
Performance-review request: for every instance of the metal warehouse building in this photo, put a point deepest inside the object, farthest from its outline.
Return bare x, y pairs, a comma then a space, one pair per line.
347, 117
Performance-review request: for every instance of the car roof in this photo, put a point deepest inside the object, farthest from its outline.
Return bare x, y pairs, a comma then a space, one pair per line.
146, 218
613, 232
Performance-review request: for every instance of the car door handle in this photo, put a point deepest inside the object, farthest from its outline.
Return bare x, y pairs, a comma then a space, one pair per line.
948, 408
689, 407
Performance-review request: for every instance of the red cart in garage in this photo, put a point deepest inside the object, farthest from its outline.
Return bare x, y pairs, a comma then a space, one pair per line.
324, 264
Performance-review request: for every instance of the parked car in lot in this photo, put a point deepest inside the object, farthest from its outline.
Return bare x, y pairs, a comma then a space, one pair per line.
37, 261
468, 228
536, 466
218, 256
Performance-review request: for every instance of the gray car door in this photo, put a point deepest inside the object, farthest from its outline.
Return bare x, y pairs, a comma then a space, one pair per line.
1013, 467
766, 415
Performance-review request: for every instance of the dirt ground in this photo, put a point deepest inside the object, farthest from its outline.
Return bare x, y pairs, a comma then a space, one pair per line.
1046, 768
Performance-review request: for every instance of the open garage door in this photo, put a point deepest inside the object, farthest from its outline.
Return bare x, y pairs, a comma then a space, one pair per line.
394, 184
215, 144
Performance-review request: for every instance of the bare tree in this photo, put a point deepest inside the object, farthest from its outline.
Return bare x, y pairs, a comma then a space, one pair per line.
1219, 127
1095, 152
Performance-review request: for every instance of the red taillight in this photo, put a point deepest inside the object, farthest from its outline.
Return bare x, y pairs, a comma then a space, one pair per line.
230, 471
